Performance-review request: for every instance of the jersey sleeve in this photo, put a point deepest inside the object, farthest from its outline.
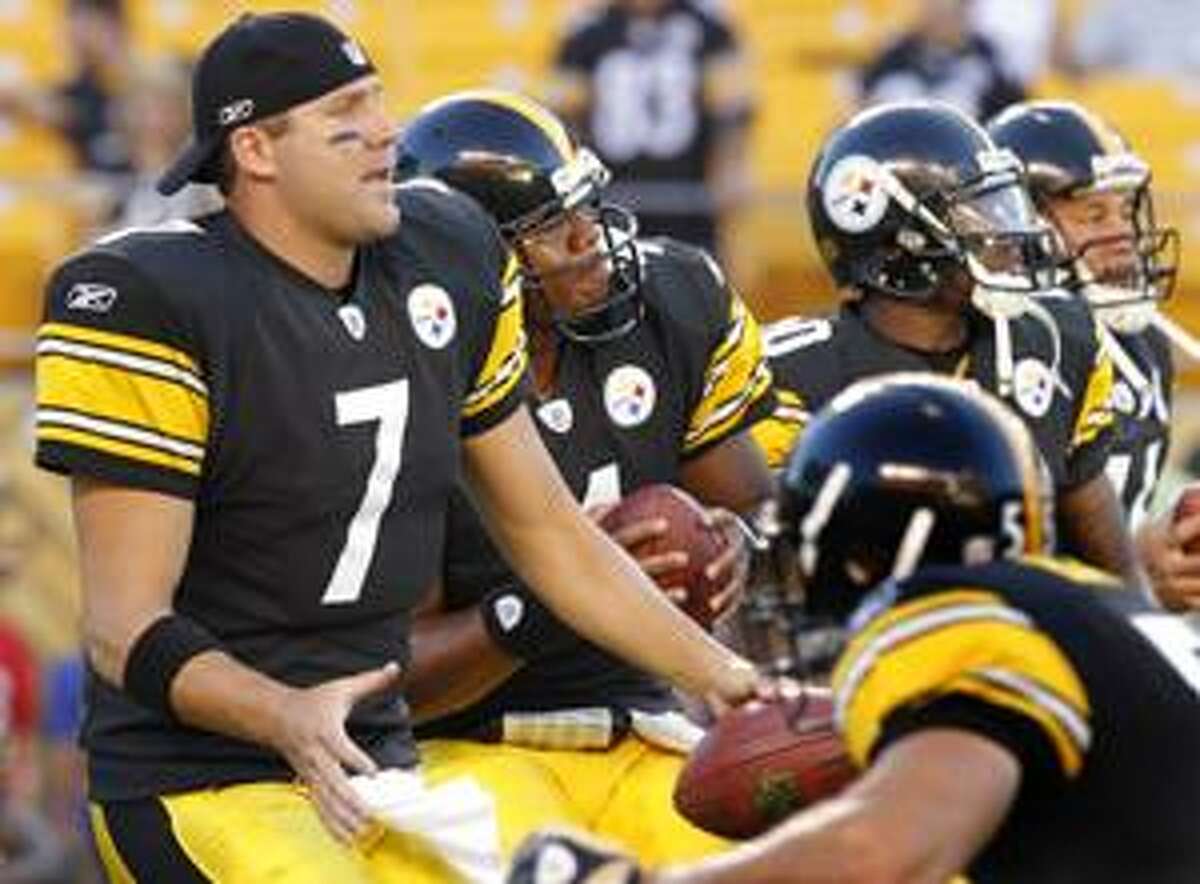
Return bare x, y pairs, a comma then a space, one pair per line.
964, 659
784, 342
121, 392
736, 391
498, 387
1095, 425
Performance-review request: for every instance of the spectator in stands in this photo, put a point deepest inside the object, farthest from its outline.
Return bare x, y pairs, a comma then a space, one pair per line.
1154, 37
942, 58
1025, 35
155, 116
660, 89
83, 107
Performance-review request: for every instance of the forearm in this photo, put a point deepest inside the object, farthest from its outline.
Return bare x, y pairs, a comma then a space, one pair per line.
1093, 526
454, 663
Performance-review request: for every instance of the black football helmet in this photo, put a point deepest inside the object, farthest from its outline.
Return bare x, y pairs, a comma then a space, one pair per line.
518, 161
1069, 151
905, 194
902, 471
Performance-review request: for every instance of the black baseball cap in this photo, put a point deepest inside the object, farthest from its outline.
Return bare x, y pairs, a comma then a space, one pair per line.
259, 66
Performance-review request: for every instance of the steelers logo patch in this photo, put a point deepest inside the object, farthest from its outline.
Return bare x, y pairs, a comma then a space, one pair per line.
629, 395
432, 315
1033, 387
854, 195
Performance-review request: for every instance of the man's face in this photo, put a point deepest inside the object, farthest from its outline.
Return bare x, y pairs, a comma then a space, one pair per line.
1099, 227
566, 257
334, 164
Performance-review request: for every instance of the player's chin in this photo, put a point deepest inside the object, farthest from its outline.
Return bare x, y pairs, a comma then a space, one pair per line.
380, 220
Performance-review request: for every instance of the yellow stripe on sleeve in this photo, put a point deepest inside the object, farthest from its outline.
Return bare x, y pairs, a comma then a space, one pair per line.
506, 361
737, 377
115, 393
127, 450
1095, 415
119, 342
778, 433
968, 642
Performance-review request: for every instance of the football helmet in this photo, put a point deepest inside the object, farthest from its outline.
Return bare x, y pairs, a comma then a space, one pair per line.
906, 194
902, 471
1067, 152
518, 161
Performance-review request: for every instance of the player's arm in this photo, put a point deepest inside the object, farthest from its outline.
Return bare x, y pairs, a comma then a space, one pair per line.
559, 552
454, 661
1091, 521
917, 816
1093, 528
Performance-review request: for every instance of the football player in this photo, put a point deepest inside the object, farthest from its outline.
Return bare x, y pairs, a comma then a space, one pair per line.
263, 413
1017, 717
928, 228
1088, 183
647, 368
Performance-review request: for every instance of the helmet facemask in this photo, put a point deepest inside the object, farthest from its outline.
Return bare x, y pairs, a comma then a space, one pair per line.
579, 185
1126, 298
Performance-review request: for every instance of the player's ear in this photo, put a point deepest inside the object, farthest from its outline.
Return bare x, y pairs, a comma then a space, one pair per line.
254, 151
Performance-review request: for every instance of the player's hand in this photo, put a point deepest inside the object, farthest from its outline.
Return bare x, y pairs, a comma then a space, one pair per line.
732, 566
737, 681
1174, 573
635, 534
310, 732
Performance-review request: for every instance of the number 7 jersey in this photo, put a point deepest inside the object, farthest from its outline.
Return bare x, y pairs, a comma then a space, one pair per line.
316, 432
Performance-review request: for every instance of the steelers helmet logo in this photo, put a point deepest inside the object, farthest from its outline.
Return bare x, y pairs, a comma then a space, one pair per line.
432, 315
629, 395
1033, 387
854, 195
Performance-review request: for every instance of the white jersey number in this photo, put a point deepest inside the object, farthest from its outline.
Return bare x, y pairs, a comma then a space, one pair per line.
1176, 641
387, 404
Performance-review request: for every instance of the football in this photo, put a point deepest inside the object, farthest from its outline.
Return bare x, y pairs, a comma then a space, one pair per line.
762, 762
687, 531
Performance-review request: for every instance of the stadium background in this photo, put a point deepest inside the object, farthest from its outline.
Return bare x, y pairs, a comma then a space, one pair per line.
802, 52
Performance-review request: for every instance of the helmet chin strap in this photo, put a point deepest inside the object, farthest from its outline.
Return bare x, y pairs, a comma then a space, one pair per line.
1002, 306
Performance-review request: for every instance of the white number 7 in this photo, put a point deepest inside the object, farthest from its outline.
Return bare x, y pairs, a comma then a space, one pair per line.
388, 404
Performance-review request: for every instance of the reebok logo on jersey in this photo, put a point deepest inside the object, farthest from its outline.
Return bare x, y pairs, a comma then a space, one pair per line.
354, 54
95, 297
509, 610
431, 313
352, 318
557, 415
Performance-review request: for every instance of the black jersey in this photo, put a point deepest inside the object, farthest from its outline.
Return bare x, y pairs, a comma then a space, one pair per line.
623, 414
658, 90
1094, 694
814, 359
1141, 403
318, 438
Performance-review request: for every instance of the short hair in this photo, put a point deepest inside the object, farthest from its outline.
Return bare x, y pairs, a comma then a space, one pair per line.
226, 173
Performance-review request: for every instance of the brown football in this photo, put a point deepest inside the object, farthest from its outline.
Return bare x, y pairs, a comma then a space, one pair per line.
762, 762
1186, 505
687, 531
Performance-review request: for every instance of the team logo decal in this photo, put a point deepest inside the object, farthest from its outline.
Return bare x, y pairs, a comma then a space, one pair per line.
629, 395
557, 415
432, 315
854, 194
1123, 399
353, 319
1033, 386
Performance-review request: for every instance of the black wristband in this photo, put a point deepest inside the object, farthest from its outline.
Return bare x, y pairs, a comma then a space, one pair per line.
157, 656
520, 624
